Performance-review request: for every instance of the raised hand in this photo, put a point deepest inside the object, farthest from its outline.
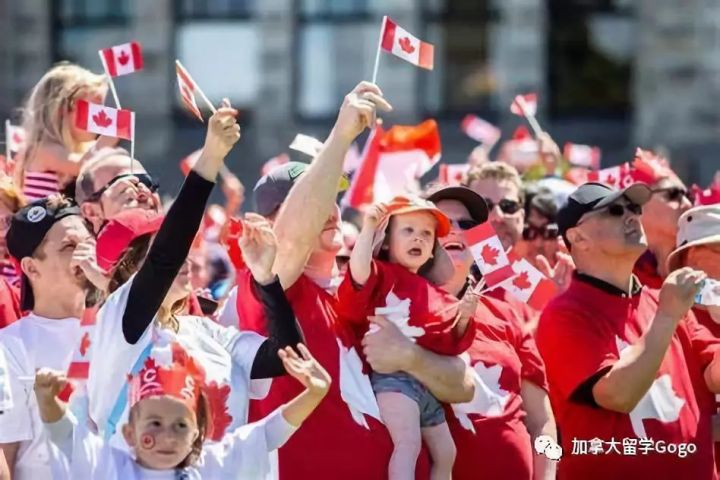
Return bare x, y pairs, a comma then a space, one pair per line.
359, 110
305, 369
561, 274
84, 258
677, 294
259, 246
374, 216
49, 383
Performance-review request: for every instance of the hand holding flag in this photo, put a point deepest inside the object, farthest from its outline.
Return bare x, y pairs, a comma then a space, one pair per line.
359, 110
526, 106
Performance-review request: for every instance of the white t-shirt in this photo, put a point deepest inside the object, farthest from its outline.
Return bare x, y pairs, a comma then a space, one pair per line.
242, 453
6, 401
228, 314
29, 344
226, 354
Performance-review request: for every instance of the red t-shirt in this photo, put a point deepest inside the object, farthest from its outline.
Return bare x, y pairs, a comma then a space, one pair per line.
646, 270
528, 316
9, 303
581, 333
704, 318
431, 310
329, 444
503, 356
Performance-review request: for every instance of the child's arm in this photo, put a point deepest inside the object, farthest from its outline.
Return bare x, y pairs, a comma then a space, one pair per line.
59, 423
466, 310
361, 256
314, 378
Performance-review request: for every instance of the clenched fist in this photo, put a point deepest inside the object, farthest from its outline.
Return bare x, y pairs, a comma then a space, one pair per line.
359, 110
223, 131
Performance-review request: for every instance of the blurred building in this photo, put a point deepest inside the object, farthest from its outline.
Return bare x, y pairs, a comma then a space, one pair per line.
614, 73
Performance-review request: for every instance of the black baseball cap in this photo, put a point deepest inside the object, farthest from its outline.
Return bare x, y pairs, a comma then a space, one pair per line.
595, 196
272, 189
28, 228
474, 203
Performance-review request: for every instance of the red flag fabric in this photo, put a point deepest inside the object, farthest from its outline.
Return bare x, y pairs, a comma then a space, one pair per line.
103, 120
187, 163
123, 59
480, 130
489, 254
453, 174
528, 284
403, 44
582, 155
187, 91
530, 104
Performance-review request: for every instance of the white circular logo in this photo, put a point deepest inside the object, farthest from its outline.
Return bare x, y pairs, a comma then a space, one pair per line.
36, 214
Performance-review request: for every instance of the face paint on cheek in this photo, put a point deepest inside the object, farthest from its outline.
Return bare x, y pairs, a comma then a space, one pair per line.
147, 441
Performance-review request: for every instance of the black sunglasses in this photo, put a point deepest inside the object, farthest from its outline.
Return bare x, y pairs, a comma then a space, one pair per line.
546, 232
506, 205
142, 178
465, 224
618, 209
674, 194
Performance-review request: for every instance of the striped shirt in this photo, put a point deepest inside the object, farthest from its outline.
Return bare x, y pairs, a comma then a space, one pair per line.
38, 185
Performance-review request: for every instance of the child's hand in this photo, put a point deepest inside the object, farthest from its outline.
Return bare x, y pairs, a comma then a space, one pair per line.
374, 216
49, 384
306, 370
259, 246
468, 304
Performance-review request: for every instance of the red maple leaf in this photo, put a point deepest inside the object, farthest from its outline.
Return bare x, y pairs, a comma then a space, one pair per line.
17, 138
102, 120
610, 179
521, 281
489, 254
220, 418
84, 344
123, 58
406, 45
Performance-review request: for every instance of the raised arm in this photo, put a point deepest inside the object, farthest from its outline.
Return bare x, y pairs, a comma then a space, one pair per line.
361, 255
312, 198
173, 241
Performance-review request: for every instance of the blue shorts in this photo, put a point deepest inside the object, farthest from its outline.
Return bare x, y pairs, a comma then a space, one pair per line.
431, 412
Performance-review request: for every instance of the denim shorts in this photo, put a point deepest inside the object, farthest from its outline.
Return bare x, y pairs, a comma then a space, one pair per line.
431, 412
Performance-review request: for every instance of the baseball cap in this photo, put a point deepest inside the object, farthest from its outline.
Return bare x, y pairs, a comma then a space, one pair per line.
595, 196
28, 228
272, 189
121, 230
474, 203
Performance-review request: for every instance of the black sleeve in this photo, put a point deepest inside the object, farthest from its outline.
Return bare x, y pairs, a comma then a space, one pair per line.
583, 394
166, 256
282, 328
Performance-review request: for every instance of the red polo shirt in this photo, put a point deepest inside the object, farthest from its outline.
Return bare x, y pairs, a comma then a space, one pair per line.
9, 303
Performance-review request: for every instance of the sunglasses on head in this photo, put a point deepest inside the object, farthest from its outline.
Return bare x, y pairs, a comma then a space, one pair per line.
142, 178
506, 205
546, 232
674, 194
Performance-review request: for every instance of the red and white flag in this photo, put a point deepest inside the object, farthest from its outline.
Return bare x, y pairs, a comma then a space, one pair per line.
123, 59
392, 163
104, 120
187, 91
187, 163
489, 254
480, 130
452, 174
80, 363
582, 155
530, 104
528, 284
14, 137
276, 161
403, 44
617, 177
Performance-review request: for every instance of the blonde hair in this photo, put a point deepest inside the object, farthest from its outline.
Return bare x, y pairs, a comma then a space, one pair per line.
43, 116
498, 171
10, 195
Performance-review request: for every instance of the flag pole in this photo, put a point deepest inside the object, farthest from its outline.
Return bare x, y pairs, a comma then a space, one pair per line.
379, 48
7, 141
110, 79
199, 90
537, 130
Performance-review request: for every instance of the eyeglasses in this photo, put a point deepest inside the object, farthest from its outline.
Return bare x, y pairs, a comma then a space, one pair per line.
142, 178
465, 224
506, 205
674, 194
546, 232
617, 210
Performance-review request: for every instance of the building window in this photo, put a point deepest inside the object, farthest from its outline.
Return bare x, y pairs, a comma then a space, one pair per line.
90, 13
214, 9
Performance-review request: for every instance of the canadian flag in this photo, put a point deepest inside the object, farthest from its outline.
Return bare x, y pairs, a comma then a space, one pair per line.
401, 43
530, 105
480, 130
187, 91
187, 163
453, 174
582, 155
80, 364
392, 162
528, 284
123, 59
617, 177
276, 161
489, 254
709, 196
103, 120
15, 137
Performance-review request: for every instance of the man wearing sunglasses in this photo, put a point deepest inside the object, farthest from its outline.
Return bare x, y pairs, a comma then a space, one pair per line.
626, 363
660, 217
111, 182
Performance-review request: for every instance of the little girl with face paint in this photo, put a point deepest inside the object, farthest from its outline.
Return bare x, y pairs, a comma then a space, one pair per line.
170, 414
394, 270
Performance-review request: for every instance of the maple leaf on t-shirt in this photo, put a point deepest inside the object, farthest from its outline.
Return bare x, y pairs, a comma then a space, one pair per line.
101, 119
489, 254
406, 45
489, 399
521, 281
220, 418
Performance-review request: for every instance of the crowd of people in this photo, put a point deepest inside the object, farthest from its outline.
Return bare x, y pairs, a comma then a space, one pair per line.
193, 341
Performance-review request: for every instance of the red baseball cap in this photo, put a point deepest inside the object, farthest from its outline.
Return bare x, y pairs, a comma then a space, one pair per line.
121, 230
